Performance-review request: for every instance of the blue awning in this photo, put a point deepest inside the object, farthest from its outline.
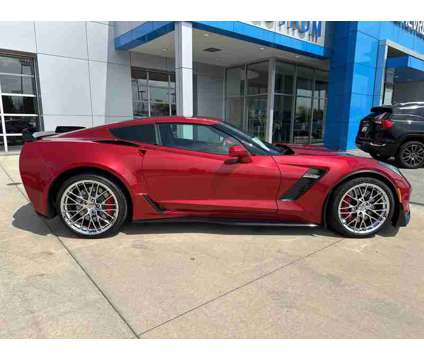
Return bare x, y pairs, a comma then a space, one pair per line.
407, 61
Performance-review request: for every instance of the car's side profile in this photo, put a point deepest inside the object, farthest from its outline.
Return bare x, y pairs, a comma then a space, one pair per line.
180, 168
394, 130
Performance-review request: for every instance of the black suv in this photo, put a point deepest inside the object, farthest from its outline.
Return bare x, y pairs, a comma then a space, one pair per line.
394, 130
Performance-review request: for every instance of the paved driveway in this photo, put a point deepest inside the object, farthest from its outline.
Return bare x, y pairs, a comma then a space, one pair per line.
197, 281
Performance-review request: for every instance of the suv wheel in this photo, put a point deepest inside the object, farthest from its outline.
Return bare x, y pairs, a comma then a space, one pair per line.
411, 155
361, 207
91, 205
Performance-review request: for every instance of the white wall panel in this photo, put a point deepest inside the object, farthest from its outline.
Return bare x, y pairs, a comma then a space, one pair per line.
51, 121
64, 85
64, 38
101, 45
17, 35
110, 89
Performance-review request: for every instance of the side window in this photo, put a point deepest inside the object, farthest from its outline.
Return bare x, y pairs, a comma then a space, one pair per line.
193, 137
141, 133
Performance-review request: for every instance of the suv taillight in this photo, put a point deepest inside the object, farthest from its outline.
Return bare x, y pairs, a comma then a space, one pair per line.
385, 123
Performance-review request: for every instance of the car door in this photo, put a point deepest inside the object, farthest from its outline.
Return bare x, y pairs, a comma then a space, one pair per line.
192, 171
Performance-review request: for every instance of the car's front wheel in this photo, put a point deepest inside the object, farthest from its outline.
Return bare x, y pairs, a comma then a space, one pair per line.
91, 205
361, 207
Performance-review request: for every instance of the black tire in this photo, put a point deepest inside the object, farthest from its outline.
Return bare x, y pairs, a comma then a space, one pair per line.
408, 148
334, 221
122, 211
380, 157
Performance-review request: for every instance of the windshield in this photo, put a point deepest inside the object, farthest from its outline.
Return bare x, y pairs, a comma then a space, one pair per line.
253, 144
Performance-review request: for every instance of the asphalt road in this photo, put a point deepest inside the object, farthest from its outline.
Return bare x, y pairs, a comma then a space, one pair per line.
205, 281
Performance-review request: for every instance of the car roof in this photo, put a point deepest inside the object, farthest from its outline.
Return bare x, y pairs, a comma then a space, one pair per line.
167, 119
406, 106
103, 130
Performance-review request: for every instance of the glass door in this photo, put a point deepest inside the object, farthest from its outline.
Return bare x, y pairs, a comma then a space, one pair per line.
234, 90
18, 100
301, 127
256, 98
319, 107
283, 101
304, 91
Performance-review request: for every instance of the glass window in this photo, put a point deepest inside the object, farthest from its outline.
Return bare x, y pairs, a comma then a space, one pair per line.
141, 133
159, 109
283, 108
18, 94
172, 81
234, 111
16, 65
19, 105
160, 95
193, 137
318, 116
235, 81
139, 74
139, 90
302, 120
16, 124
256, 107
257, 78
284, 76
153, 93
304, 81
141, 109
158, 79
321, 84
15, 84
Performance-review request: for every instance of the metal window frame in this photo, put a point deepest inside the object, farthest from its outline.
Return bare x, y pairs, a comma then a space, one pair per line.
148, 86
35, 76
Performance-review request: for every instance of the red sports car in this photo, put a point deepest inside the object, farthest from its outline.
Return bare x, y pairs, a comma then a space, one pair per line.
176, 168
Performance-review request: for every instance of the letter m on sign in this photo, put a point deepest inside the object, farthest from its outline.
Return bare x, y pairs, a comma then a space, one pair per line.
316, 29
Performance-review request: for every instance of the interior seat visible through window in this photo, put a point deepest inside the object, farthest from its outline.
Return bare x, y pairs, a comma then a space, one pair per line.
194, 137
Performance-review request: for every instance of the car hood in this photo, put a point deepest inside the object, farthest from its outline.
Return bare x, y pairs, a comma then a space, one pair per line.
314, 150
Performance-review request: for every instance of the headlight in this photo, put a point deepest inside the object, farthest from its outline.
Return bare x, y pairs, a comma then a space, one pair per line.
391, 167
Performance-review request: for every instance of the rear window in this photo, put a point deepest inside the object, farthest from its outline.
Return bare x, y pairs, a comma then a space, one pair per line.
140, 133
412, 110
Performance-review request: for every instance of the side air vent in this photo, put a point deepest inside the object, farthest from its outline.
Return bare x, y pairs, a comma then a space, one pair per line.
153, 204
116, 142
303, 184
212, 49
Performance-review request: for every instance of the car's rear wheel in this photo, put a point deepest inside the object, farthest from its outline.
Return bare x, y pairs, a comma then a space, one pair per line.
411, 155
361, 207
91, 205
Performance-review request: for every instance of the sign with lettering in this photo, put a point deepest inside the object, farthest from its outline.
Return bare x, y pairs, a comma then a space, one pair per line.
311, 31
414, 26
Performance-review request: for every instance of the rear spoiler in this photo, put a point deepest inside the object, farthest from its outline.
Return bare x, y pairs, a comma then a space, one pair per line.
381, 109
29, 136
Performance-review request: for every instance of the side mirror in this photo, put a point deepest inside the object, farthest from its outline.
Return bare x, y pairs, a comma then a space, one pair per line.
240, 153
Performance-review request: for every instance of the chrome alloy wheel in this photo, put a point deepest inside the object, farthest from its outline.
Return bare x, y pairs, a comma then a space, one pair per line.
89, 207
413, 154
364, 208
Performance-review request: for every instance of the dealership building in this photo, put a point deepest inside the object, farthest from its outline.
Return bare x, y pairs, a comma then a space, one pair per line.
289, 81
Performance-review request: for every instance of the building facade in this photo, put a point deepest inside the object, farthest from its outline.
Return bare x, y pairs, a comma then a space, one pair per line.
289, 81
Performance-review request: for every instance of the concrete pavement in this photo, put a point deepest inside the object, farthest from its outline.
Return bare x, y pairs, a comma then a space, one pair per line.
199, 281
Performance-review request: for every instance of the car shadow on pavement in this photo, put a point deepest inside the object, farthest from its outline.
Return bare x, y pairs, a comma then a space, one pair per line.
26, 219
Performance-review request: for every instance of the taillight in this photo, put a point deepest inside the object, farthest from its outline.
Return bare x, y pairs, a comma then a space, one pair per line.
385, 123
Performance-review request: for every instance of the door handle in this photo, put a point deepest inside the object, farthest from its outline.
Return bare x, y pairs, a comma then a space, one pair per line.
142, 152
